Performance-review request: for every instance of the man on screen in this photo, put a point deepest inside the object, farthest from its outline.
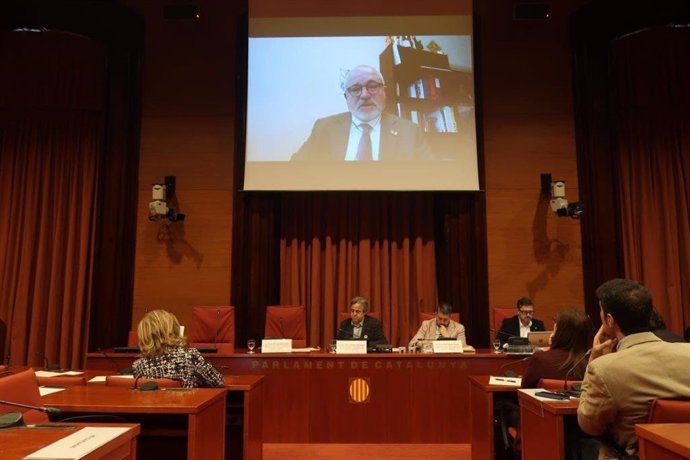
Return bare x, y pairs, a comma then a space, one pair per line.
365, 132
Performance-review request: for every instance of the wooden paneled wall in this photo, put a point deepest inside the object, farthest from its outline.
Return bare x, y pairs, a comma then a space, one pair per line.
189, 99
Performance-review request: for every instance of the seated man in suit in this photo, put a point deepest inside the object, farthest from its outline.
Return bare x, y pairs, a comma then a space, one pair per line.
365, 132
440, 327
629, 367
360, 325
522, 323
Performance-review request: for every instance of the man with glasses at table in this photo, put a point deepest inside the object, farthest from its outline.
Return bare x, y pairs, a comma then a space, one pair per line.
365, 132
522, 323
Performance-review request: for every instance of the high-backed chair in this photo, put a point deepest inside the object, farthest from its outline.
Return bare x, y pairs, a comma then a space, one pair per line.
213, 327
62, 380
669, 411
115, 381
424, 316
3, 335
287, 321
500, 314
132, 339
22, 388
557, 384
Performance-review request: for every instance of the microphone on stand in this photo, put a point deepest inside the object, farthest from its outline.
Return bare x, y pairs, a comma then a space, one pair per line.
122, 371
282, 327
48, 410
146, 386
570, 371
350, 334
50, 367
510, 373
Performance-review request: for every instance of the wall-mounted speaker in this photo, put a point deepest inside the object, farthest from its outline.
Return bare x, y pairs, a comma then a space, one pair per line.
182, 12
532, 11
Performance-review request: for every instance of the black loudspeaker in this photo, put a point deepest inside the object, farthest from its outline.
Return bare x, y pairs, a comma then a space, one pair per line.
182, 12
532, 11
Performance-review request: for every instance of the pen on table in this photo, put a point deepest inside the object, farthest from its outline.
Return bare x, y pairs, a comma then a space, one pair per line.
505, 380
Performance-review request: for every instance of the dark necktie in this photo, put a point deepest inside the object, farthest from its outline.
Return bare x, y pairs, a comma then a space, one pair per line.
364, 147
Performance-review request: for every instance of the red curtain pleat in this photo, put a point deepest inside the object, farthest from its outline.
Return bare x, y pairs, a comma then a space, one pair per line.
334, 246
651, 71
50, 144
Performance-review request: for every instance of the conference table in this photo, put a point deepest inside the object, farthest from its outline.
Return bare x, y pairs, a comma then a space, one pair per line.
389, 397
17, 443
664, 441
175, 421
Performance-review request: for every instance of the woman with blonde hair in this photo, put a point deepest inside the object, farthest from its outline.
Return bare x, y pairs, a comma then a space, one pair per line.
164, 354
572, 336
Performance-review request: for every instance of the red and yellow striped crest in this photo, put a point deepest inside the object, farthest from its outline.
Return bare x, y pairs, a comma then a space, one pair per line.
359, 390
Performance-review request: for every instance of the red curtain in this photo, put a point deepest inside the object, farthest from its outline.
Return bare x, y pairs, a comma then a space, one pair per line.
50, 144
651, 72
334, 246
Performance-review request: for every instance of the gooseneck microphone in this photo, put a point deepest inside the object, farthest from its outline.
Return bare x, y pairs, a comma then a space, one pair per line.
572, 369
46, 409
349, 334
511, 363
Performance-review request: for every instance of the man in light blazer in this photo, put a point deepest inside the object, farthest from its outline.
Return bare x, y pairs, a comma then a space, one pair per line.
440, 327
521, 324
629, 367
360, 325
339, 137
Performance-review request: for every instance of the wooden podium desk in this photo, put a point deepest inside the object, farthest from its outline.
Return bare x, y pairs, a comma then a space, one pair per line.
542, 426
16, 443
392, 398
664, 441
196, 416
482, 399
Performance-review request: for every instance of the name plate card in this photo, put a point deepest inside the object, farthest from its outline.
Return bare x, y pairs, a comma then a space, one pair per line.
350, 347
77, 445
276, 346
447, 346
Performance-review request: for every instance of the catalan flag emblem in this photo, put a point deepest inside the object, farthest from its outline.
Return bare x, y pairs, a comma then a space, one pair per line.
359, 390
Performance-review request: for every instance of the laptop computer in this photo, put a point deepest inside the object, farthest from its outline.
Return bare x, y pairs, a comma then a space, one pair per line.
539, 338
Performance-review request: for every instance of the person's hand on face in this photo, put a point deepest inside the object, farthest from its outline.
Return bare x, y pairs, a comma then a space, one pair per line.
604, 342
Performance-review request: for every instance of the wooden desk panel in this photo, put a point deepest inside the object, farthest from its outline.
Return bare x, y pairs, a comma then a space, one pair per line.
482, 399
664, 441
252, 389
19, 442
542, 426
306, 396
202, 409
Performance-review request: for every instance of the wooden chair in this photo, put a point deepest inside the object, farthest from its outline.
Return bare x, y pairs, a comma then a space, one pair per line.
213, 327
115, 381
62, 380
287, 321
22, 388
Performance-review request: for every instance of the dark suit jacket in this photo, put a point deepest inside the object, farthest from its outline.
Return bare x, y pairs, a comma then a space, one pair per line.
511, 328
372, 329
400, 140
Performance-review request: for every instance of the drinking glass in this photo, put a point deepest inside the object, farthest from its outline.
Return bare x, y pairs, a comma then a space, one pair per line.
332, 347
251, 343
497, 345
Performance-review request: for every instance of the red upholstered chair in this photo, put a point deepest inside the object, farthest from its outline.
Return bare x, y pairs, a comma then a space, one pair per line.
114, 381
500, 314
669, 411
424, 316
22, 387
342, 316
287, 321
62, 380
213, 327
3, 368
132, 339
556, 384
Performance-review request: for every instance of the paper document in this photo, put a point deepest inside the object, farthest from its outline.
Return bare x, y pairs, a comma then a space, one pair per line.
49, 390
505, 381
55, 374
532, 391
77, 445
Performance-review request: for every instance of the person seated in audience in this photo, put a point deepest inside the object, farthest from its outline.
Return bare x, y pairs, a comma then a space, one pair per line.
571, 338
629, 367
360, 325
520, 324
164, 354
658, 327
440, 327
